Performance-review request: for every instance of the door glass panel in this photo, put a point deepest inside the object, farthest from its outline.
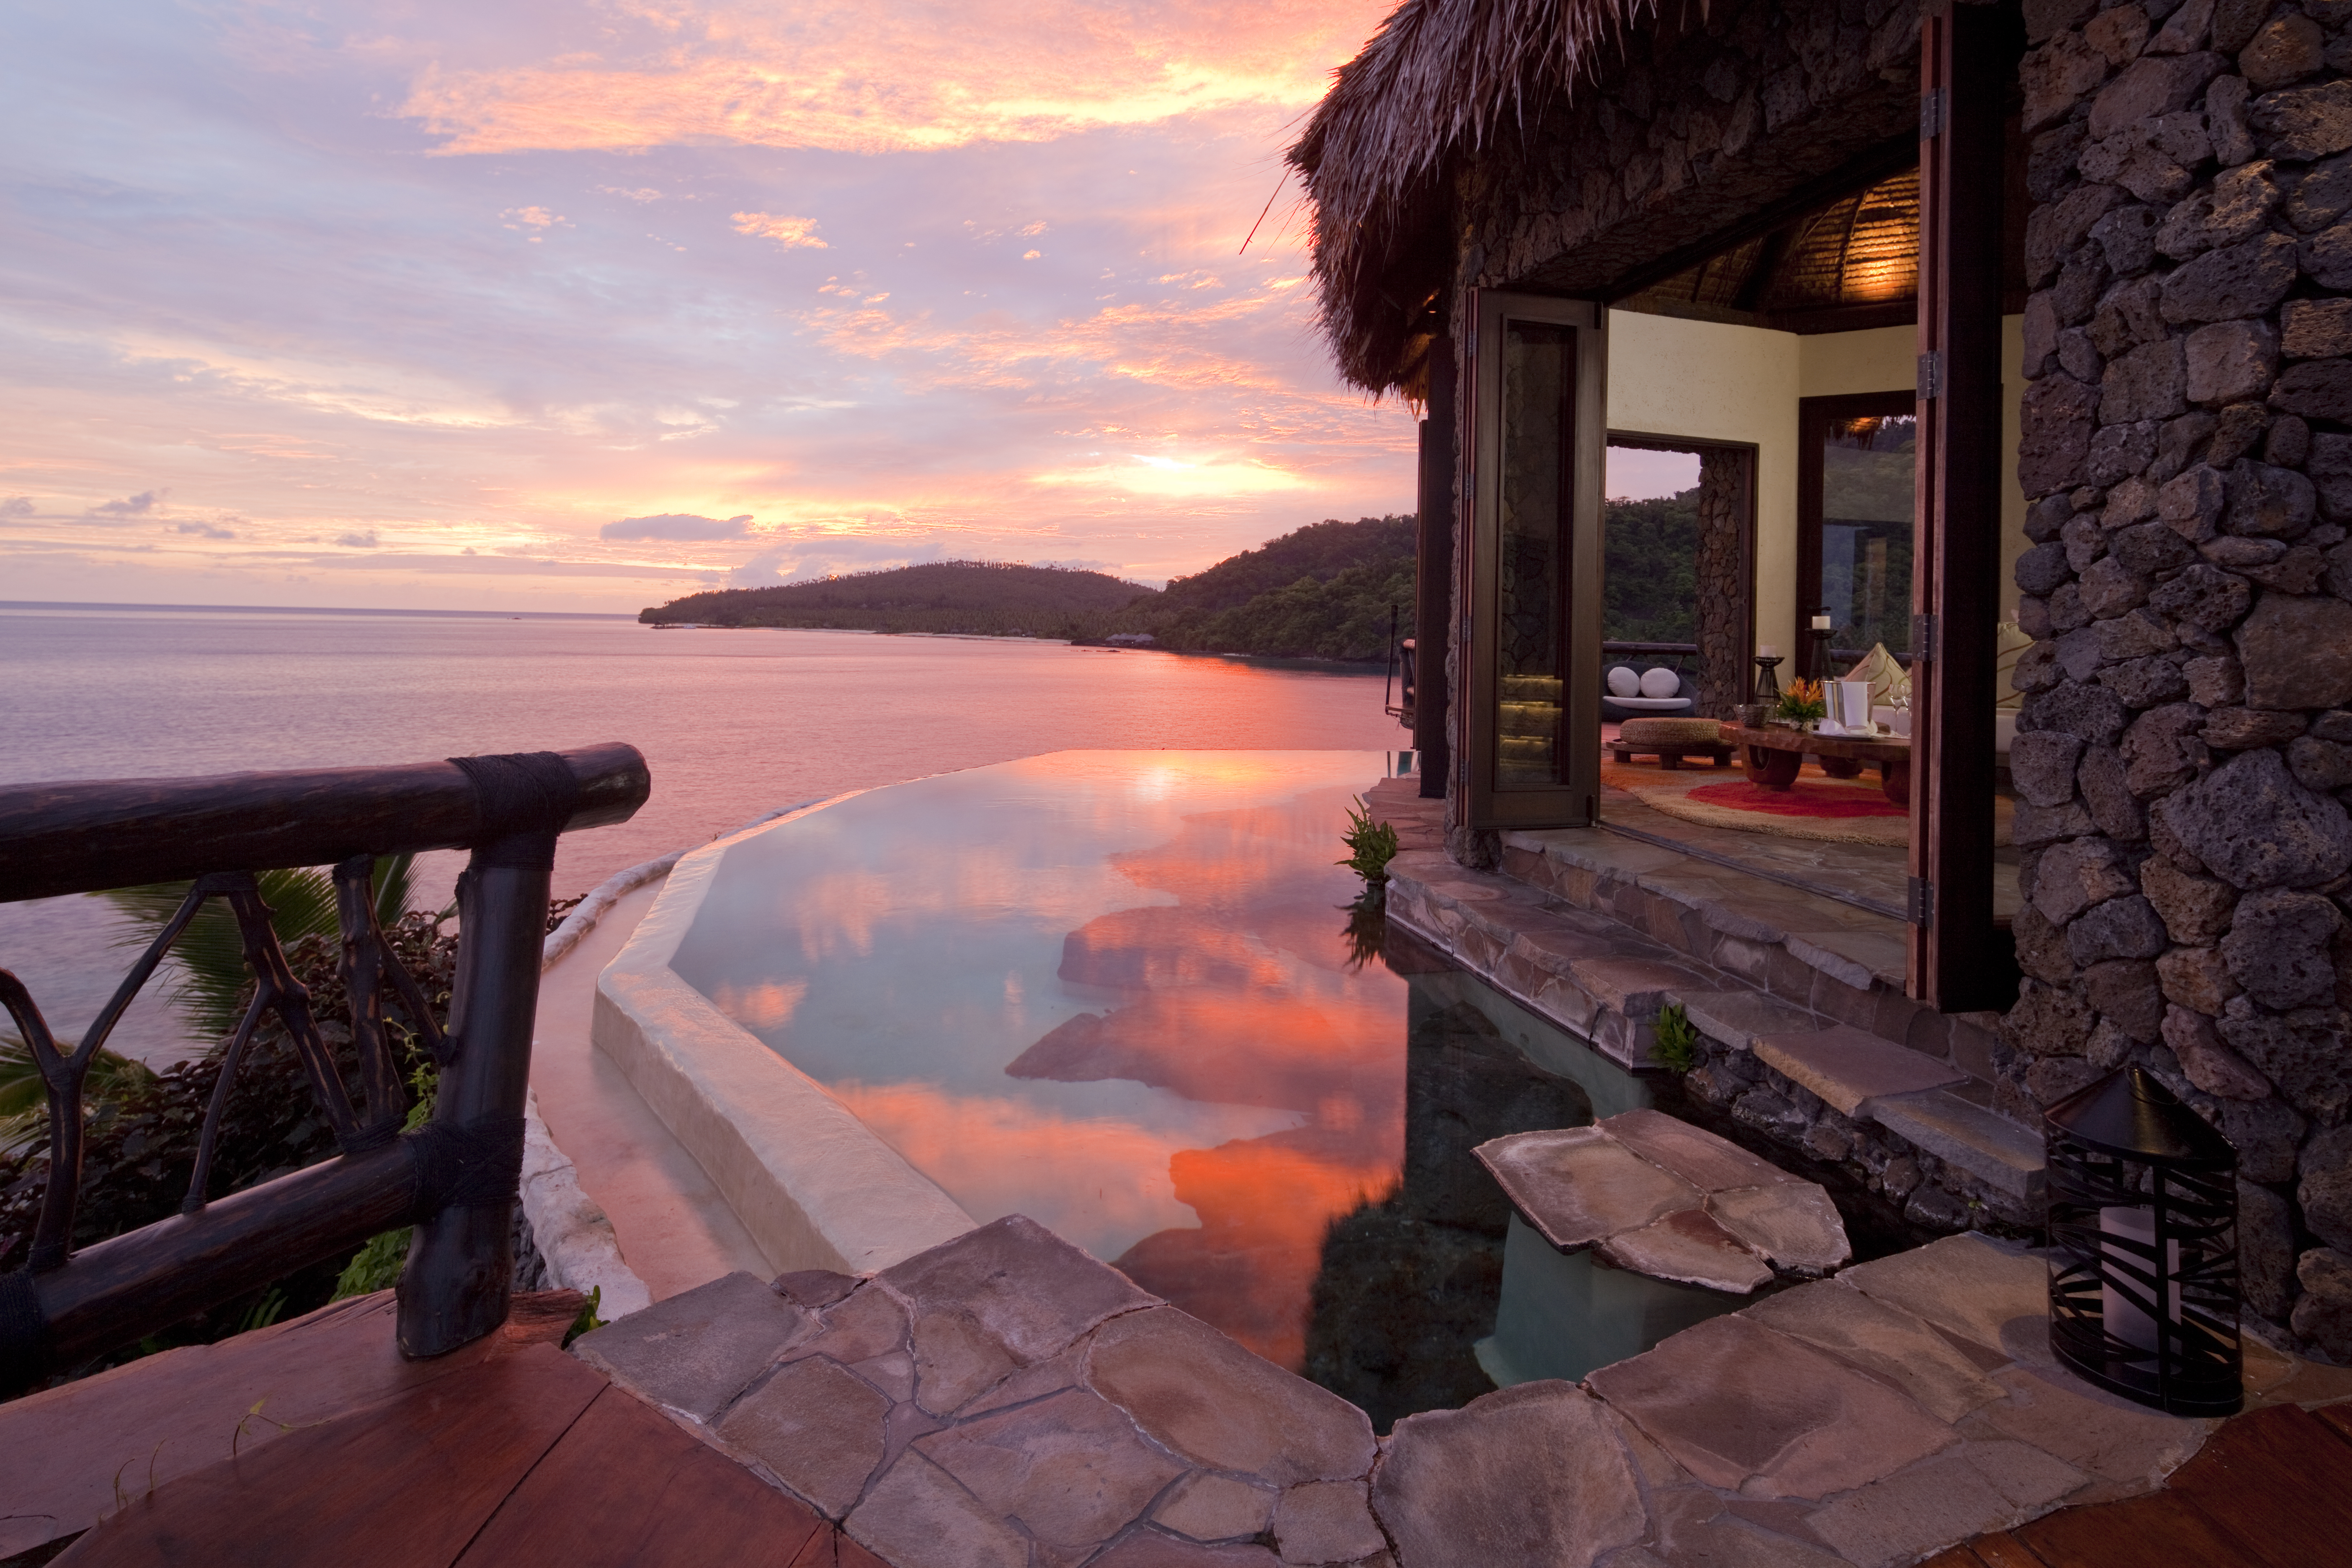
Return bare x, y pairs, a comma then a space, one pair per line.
1531, 564
1866, 504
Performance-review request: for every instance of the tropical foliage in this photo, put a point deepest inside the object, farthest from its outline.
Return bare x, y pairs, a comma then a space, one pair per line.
1325, 591
1649, 589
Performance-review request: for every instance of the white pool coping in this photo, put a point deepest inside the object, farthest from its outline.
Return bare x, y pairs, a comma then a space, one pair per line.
815, 1186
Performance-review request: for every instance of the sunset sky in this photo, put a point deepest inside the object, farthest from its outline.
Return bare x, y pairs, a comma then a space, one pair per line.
583, 306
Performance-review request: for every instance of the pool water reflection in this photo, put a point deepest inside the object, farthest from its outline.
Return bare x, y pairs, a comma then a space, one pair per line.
1124, 994
1113, 991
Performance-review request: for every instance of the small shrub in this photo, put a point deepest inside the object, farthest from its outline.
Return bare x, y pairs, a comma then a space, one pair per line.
1677, 1046
1370, 845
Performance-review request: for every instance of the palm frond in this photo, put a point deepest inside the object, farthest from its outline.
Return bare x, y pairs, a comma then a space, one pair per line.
209, 973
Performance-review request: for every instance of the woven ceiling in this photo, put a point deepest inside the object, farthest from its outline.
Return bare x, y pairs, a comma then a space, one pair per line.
1857, 257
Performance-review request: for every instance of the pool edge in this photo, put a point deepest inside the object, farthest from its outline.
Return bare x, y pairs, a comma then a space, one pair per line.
812, 1184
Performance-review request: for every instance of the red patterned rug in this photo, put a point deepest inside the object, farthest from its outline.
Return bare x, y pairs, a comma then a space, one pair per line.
1817, 807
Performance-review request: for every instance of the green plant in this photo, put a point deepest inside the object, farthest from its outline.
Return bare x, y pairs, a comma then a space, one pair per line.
25, 1099
209, 956
1677, 1046
1370, 845
1368, 926
587, 1322
1802, 701
376, 1266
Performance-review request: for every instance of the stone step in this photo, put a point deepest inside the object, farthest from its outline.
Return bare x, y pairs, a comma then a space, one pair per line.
1605, 982
1818, 954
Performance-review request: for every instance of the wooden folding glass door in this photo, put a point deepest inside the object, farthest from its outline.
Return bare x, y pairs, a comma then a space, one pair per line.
1531, 652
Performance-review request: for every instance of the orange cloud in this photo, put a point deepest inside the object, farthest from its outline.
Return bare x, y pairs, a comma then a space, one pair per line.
905, 76
792, 232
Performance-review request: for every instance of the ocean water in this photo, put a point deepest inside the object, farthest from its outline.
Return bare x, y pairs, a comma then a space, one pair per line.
732, 724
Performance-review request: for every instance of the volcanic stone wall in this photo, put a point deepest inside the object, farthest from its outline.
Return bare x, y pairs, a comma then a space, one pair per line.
2185, 749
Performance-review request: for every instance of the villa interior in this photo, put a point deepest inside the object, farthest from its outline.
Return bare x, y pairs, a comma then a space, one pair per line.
1786, 361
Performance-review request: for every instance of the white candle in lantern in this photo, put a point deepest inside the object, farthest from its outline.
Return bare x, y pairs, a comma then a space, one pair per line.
2126, 1318
1766, 650
1821, 623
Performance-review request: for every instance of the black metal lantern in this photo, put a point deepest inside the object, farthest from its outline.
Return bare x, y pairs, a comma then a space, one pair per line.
2144, 1246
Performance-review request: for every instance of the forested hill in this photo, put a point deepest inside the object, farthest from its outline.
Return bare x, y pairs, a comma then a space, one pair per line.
983, 596
1323, 592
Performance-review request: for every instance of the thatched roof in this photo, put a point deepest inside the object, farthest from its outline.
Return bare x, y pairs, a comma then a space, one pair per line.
1441, 77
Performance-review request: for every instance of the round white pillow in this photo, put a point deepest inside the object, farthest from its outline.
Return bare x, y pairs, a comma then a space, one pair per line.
1624, 683
1659, 683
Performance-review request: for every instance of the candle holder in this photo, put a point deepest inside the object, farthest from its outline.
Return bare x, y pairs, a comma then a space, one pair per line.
1768, 685
2144, 1289
1820, 653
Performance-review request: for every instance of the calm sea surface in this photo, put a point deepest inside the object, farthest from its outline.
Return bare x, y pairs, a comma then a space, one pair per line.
733, 723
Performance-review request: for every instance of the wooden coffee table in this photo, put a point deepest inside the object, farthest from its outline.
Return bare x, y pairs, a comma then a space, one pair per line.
1773, 756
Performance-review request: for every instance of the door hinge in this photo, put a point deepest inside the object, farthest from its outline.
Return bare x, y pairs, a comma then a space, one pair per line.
1919, 902
1931, 373
1926, 639
1931, 114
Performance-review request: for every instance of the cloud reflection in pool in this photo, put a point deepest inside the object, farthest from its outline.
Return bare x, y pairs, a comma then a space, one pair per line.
1109, 989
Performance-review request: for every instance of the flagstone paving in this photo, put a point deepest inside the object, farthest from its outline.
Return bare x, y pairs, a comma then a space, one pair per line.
1006, 1399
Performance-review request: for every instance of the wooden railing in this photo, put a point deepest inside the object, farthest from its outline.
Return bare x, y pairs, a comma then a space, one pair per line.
453, 1179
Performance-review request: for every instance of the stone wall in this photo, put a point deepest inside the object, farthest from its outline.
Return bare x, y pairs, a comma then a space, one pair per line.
1722, 572
2185, 749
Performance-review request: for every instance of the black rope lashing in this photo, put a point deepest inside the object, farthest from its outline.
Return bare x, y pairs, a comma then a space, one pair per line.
23, 1332
523, 800
473, 1165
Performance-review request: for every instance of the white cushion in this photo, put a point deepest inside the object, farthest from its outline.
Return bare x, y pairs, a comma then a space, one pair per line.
1660, 683
1653, 704
1624, 683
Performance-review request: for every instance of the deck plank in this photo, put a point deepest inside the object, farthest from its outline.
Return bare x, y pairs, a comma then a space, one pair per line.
153, 1420
2280, 1480
2161, 1530
404, 1484
625, 1488
2003, 1549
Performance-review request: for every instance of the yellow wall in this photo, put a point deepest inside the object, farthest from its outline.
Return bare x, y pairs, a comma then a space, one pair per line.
1707, 381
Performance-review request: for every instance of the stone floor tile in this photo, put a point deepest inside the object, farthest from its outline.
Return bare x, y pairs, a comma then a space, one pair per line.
1737, 1017
696, 1351
1578, 1184
1970, 1285
916, 1516
1793, 1225
1742, 1407
1696, 1530
1532, 1477
1984, 1143
817, 1426
1207, 1399
1846, 1066
1706, 1161
2090, 1428
1895, 1346
955, 1360
1856, 955
868, 1323
893, 1372
1019, 1282
1149, 1549
1326, 1521
1940, 1502
1052, 1376
1071, 1470
1214, 1506
813, 1287
1688, 1247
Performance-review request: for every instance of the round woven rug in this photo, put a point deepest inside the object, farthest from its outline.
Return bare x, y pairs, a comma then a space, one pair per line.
1817, 807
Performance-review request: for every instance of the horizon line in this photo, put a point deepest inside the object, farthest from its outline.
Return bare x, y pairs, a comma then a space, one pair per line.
320, 610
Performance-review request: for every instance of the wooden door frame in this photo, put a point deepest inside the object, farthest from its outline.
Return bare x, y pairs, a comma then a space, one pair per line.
1965, 72
1750, 453
1575, 801
1813, 416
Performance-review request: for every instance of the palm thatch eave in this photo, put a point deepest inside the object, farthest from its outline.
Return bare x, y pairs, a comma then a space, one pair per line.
1437, 81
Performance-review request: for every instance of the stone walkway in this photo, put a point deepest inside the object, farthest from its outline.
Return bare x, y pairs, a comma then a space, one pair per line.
1004, 1401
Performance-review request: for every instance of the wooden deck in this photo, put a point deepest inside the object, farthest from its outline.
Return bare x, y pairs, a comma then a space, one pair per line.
2270, 1490
509, 1454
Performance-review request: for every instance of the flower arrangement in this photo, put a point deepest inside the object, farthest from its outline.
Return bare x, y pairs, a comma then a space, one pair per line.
1800, 702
